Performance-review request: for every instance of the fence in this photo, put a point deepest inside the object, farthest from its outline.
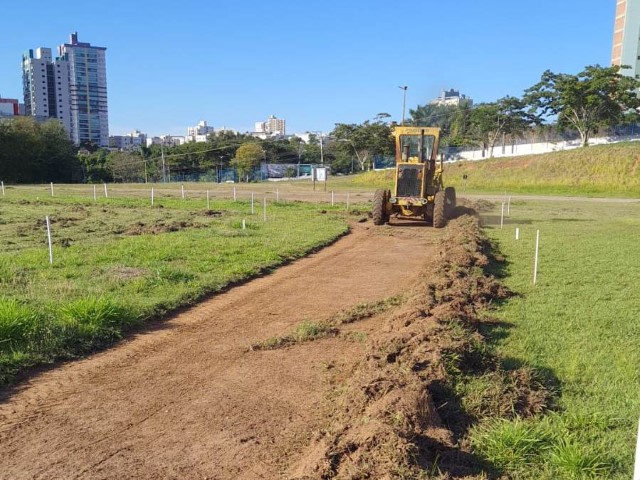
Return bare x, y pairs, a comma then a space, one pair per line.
31, 232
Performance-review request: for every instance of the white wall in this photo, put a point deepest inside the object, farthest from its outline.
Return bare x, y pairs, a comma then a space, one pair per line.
538, 148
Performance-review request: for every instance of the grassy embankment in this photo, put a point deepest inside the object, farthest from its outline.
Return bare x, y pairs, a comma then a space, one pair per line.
607, 170
579, 323
119, 262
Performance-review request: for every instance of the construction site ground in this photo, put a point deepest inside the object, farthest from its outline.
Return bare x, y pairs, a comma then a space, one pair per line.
188, 398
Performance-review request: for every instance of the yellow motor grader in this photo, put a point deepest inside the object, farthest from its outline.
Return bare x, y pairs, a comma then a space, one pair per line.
419, 192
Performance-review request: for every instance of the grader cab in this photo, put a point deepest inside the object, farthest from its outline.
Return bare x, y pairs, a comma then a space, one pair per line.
419, 192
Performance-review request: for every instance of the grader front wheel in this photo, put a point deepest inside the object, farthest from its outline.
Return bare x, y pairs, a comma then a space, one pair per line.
379, 212
439, 210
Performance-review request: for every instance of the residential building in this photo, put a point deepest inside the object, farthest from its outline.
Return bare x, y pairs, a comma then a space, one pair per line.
87, 91
273, 126
626, 42
71, 87
450, 97
45, 84
131, 141
166, 140
9, 107
199, 133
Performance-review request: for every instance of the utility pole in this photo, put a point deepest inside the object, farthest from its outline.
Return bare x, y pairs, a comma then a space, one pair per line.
321, 152
164, 175
404, 101
145, 164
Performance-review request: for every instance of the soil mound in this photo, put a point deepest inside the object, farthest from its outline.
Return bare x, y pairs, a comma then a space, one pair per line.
399, 416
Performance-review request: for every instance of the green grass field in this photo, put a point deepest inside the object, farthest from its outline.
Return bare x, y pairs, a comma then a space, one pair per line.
580, 325
119, 262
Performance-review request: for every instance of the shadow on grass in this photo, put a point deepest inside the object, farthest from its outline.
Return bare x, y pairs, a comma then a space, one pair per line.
437, 458
558, 220
484, 385
494, 220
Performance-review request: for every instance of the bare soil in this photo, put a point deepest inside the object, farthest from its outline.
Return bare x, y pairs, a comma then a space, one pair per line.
188, 398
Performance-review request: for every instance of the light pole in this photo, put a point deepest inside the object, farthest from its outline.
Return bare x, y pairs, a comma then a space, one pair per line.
404, 100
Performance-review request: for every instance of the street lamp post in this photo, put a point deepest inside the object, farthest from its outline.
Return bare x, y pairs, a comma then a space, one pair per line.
404, 100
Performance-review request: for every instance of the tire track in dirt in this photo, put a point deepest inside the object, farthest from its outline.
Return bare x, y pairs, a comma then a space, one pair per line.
186, 398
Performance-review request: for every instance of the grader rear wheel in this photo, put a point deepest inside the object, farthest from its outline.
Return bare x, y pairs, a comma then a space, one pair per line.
379, 212
439, 210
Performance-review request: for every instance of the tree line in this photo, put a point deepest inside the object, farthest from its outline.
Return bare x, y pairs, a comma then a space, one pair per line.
595, 98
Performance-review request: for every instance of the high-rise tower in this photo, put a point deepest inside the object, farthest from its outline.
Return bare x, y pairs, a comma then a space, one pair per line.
87, 91
626, 41
72, 88
45, 84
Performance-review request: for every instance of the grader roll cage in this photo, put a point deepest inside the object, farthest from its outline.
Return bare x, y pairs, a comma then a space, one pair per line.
418, 193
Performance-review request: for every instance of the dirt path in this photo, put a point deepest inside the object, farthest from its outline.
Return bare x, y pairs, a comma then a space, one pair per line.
188, 399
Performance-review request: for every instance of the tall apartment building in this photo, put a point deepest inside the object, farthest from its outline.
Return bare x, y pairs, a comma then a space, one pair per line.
626, 38
72, 88
45, 85
87, 91
273, 126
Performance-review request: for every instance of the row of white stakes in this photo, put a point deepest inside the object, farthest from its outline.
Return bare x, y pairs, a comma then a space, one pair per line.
182, 194
106, 194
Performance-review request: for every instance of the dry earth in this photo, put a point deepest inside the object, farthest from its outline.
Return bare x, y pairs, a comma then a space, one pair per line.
189, 399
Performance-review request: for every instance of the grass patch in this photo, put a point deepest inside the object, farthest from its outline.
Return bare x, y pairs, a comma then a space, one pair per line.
366, 310
309, 331
305, 332
120, 261
580, 324
602, 170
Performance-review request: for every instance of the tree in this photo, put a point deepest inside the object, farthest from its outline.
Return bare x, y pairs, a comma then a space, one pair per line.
365, 140
596, 97
489, 121
247, 157
32, 152
94, 166
126, 166
451, 119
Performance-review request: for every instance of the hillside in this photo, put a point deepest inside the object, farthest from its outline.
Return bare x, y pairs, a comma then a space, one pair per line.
605, 170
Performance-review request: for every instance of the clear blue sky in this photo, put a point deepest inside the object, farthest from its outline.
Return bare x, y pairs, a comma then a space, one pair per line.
313, 63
